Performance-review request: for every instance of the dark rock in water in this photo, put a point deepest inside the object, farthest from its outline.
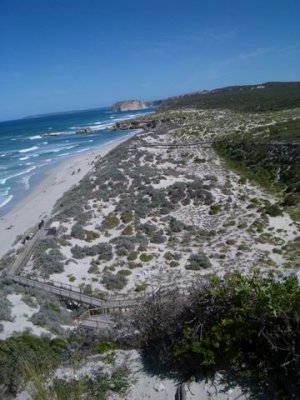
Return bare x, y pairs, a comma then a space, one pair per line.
128, 105
84, 130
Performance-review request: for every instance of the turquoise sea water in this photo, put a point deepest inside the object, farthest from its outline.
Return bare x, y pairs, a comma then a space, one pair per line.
30, 146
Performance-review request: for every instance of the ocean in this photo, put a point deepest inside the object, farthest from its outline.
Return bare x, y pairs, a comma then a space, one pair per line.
30, 146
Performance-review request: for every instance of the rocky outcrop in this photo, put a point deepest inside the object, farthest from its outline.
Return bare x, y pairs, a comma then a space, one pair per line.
129, 105
84, 130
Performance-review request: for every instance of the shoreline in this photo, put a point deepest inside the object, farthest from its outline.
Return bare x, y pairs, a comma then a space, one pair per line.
40, 201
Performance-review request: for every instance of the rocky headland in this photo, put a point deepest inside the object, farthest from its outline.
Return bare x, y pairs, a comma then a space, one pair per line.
128, 105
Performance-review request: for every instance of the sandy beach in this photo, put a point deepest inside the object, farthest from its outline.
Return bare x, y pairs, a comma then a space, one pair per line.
39, 203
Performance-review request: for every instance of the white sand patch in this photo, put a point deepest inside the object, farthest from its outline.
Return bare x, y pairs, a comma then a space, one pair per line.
21, 313
284, 223
168, 181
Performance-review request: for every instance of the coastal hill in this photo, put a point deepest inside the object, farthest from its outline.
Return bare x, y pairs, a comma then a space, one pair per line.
128, 105
271, 96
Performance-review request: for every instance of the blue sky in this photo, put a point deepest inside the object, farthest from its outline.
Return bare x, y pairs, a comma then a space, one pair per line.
60, 55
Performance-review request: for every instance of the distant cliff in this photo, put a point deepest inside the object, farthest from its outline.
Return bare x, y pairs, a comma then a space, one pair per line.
129, 105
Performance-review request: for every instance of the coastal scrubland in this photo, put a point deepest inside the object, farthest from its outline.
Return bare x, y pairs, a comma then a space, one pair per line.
201, 211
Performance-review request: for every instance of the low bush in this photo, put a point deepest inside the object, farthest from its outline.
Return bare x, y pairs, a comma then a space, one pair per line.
146, 257
7, 260
158, 237
176, 226
102, 250
174, 264
110, 222
103, 347
128, 231
114, 281
94, 269
125, 272
127, 243
77, 231
215, 209
132, 256
132, 265
291, 200
141, 288
126, 217
22, 351
51, 315
247, 328
172, 256
5, 308
91, 235
48, 258
273, 210
197, 262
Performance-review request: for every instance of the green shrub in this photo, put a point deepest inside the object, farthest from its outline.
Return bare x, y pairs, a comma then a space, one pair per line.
77, 231
168, 256
197, 262
47, 257
141, 288
291, 200
146, 257
114, 282
111, 221
273, 210
94, 269
174, 264
230, 242
124, 272
24, 350
215, 209
5, 308
132, 256
102, 250
103, 347
249, 324
128, 230
135, 265
126, 217
176, 226
91, 235
51, 315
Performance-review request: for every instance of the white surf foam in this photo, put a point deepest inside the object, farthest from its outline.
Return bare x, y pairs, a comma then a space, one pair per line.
35, 137
5, 200
28, 149
4, 180
81, 150
25, 182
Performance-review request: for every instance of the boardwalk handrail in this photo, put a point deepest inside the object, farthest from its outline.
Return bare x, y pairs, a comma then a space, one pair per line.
94, 323
75, 296
24, 257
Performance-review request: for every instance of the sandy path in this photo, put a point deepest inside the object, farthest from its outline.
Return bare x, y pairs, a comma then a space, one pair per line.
40, 202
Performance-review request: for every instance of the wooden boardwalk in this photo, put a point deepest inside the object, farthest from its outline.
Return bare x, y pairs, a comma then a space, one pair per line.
99, 319
99, 308
24, 257
75, 296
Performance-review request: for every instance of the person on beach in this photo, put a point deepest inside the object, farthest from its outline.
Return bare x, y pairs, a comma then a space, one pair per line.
41, 224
